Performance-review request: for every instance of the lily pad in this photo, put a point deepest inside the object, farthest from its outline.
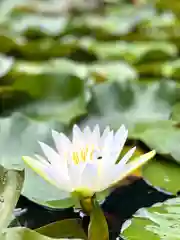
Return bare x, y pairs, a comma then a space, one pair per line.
11, 182
112, 71
61, 96
176, 112
171, 69
159, 222
163, 174
54, 66
20, 233
46, 48
55, 101
49, 25
131, 103
162, 136
67, 228
167, 177
133, 52
20, 136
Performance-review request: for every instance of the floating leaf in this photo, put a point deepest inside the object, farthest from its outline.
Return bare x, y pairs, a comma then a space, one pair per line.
171, 69
167, 178
132, 52
61, 67
59, 95
131, 103
112, 71
162, 136
11, 182
48, 25
161, 221
68, 228
20, 233
20, 136
176, 112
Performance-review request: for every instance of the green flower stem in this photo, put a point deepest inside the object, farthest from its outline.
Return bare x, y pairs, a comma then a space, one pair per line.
87, 205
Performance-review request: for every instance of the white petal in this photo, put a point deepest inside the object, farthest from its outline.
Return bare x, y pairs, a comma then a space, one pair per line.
118, 143
50, 174
87, 132
39, 168
120, 139
94, 138
89, 177
75, 171
77, 137
107, 149
54, 158
105, 134
108, 142
61, 141
111, 171
96, 132
121, 131
41, 159
62, 180
132, 166
127, 156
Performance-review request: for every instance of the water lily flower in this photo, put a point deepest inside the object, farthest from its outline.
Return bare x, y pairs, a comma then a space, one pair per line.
87, 164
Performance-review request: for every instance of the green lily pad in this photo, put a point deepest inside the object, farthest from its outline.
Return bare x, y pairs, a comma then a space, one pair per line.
48, 25
131, 103
54, 66
158, 222
167, 177
133, 52
6, 7
103, 26
20, 233
54, 100
59, 95
67, 228
20, 136
162, 136
112, 71
171, 69
116, 21
11, 182
176, 112
144, 108
52, 90
46, 48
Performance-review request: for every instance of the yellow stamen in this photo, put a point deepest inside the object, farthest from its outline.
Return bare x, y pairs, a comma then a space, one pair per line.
77, 157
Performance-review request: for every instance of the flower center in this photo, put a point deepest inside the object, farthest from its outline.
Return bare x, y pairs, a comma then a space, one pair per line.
83, 155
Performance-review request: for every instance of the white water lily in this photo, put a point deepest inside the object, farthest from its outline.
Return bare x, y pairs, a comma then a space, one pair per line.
88, 163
